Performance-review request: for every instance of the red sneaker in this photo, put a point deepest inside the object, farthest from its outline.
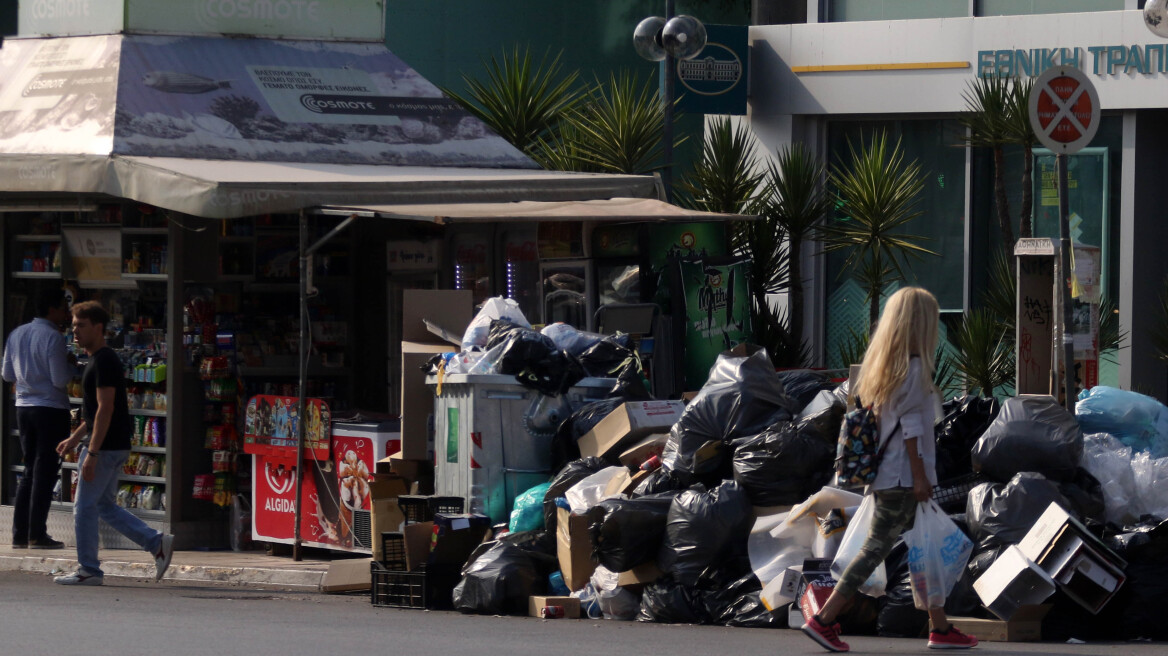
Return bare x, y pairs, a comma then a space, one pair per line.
826, 636
953, 639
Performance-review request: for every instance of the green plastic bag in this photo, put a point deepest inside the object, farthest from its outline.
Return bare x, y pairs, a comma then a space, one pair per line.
528, 512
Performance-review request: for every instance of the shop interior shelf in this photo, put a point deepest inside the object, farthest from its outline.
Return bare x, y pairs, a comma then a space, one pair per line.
68, 465
141, 479
36, 274
76, 400
145, 276
144, 231
16, 468
313, 370
148, 413
148, 449
141, 512
36, 238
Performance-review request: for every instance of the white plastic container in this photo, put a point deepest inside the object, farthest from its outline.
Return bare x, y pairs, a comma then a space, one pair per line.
493, 437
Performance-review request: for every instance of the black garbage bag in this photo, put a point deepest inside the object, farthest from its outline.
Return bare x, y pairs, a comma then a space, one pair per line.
582, 420
742, 397
704, 527
1138, 608
572, 473
803, 385
663, 480
628, 532
533, 359
737, 601
1085, 493
782, 466
608, 357
670, 602
965, 419
898, 617
1030, 434
499, 581
981, 559
1000, 515
823, 417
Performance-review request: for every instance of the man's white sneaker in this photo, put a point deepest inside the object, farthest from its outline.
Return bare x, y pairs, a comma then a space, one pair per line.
78, 578
162, 558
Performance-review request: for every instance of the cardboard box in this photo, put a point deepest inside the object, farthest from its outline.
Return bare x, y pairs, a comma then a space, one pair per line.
782, 590
815, 586
388, 486
639, 576
1013, 581
1080, 564
651, 446
384, 516
571, 606
347, 575
411, 470
1024, 626
629, 422
617, 483
419, 538
634, 481
574, 549
452, 310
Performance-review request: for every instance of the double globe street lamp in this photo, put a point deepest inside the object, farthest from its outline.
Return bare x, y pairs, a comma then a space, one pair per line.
668, 39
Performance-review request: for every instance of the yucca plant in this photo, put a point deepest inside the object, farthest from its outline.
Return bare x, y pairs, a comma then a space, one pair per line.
726, 178
945, 376
852, 349
520, 100
985, 356
989, 105
796, 203
1019, 131
877, 192
618, 126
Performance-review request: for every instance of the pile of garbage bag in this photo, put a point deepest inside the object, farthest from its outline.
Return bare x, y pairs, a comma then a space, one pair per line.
724, 526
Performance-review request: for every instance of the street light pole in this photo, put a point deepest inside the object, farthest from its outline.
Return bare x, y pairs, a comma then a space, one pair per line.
667, 93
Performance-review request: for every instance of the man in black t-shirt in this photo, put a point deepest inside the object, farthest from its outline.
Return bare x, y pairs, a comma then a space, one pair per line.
106, 420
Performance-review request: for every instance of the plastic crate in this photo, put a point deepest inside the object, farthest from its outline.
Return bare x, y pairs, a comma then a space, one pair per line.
393, 546
447, 505
416, 508
951, 495
397, 589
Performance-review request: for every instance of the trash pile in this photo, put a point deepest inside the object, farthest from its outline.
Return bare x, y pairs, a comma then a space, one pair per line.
719, 510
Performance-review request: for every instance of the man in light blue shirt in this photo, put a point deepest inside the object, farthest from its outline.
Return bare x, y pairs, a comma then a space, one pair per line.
36, 359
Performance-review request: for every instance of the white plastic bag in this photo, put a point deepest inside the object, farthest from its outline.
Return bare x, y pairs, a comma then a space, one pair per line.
849, 548
615, 602
937, 554
590, 491
493, 308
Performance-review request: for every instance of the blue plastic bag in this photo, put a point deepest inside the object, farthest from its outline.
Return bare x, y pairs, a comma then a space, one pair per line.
1139, 421
527, 514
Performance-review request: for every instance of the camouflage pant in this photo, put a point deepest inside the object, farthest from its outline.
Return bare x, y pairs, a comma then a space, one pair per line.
895, 511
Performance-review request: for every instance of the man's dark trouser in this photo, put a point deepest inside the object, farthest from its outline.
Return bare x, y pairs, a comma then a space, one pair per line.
41, 430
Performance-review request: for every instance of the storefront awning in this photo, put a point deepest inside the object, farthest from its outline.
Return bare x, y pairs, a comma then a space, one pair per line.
610, 209
223, 189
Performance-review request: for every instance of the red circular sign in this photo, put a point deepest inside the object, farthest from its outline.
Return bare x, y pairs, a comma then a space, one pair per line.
1064, 109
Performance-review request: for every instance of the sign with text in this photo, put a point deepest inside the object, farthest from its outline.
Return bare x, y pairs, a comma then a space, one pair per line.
95, 254
68, 17
1064, 109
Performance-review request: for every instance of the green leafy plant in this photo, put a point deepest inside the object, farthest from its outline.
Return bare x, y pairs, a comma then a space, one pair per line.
989, 125
877, 192
1019, 131
984, 358
726, 178
521, 100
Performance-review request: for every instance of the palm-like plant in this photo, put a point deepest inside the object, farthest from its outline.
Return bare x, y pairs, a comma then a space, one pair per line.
797, 204
1019, 131
726, 178
985, 356
618, 126
877, 193
988, 100
521, 101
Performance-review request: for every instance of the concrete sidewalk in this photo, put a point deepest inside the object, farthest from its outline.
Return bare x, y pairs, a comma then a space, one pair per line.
228, 568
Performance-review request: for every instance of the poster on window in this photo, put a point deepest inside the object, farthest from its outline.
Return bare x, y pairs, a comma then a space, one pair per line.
717, 312
95, 254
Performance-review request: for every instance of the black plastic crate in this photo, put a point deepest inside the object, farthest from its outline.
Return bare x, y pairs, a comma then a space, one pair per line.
952, 494
393, 550
446, 506
397, 589
416, 508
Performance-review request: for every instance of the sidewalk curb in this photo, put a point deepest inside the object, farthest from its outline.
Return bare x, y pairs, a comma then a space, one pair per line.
228, 576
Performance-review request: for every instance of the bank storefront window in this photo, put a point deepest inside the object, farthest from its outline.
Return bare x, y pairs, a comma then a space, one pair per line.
1019, 7
934, 145
840, 11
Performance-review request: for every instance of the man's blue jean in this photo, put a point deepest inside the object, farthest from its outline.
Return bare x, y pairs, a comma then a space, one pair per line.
98, 499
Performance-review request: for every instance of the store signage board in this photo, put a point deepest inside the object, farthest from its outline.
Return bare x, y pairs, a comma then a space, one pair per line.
1064, 109
715, 81
330, 20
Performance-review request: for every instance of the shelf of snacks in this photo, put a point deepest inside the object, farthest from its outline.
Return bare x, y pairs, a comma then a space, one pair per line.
148, 413
149, 449
37, 274
133, 478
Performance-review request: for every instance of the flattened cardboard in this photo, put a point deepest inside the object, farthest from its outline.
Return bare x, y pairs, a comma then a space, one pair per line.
418, 537
639, 576
388, 486
347, 575
384, 516
452, 309
629, 422
574, 549
571, 606
1024, 626
637, 454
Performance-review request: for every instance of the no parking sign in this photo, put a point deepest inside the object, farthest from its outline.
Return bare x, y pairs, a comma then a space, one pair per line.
1064, 109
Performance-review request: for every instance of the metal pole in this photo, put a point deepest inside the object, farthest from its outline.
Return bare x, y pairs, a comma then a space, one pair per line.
300, 423
667, 129
1064, 286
